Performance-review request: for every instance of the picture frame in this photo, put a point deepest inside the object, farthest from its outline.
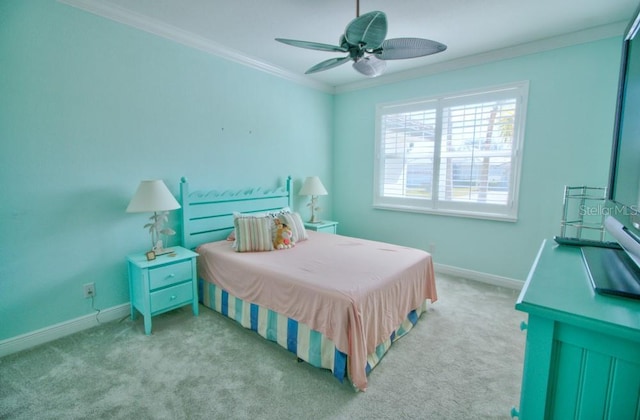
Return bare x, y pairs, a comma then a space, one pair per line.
151, 256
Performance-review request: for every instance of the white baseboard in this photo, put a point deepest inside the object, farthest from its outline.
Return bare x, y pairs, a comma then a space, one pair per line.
479, 276
44, 335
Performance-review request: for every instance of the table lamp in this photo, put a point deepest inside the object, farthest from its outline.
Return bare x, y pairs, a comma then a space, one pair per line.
154, 196
313, 186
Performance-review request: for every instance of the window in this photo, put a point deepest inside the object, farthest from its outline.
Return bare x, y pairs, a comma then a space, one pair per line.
456, 154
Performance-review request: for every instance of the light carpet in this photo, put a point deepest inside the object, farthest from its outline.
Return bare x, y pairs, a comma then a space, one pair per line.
463, 360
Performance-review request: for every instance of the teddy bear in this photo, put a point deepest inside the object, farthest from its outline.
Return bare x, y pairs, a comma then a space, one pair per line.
283, 235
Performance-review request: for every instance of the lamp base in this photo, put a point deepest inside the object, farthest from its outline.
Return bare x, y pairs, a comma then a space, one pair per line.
159, 248
162, 251
314, 219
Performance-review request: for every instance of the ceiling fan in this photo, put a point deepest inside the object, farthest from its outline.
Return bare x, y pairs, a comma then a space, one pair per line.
364, 41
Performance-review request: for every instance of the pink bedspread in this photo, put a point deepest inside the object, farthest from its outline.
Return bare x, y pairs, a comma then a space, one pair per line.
354, 291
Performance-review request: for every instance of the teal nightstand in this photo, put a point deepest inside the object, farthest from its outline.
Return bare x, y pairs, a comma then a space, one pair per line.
324, 226
163, 284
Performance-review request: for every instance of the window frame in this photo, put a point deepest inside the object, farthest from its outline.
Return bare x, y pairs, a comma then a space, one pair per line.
502, 212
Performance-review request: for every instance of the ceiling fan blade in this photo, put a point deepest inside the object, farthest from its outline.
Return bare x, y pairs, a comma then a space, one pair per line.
401, 48
328, 64
370, 66
312, 45
369, 29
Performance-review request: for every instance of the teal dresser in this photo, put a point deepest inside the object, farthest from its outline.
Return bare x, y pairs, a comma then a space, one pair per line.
163, 284
582, 356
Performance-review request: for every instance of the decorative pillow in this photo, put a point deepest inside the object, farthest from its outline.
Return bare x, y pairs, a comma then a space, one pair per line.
253, 233
294, 221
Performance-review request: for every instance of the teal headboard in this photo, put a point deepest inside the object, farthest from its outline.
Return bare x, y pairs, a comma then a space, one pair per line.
208, 215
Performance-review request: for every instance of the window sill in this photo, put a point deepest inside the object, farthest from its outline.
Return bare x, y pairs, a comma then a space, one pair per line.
454, 213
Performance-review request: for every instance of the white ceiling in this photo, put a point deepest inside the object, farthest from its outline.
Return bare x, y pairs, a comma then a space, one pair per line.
245, 29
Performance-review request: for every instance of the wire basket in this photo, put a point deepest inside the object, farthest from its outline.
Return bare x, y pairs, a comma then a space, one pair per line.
583, 211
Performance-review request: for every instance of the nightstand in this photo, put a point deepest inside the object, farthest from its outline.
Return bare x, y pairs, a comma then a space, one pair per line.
163, 284
324, 226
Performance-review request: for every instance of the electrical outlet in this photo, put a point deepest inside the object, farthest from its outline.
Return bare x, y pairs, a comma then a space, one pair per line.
89, 290
432, 248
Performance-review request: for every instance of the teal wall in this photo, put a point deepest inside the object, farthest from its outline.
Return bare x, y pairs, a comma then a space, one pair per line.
569, 127
88, 108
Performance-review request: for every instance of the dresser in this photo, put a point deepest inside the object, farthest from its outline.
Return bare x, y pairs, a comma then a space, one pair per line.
160, 285
582, 355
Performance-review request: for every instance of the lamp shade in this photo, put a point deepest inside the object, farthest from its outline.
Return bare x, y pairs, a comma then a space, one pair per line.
312, 186
152, 196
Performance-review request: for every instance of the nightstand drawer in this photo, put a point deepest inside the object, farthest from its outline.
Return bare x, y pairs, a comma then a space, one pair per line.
171, 296
169, 274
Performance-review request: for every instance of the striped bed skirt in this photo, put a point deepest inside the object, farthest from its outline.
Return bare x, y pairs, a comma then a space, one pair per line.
307, 344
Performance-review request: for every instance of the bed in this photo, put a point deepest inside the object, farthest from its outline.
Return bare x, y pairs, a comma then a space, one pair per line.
334, 301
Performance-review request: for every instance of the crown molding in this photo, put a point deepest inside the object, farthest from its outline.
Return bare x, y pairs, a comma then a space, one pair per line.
156, 27
561, 41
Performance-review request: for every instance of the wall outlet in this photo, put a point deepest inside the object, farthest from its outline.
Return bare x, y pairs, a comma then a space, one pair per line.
432, 248
89, 290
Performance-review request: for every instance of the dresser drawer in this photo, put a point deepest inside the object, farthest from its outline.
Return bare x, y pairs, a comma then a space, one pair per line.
171, 296
169, 274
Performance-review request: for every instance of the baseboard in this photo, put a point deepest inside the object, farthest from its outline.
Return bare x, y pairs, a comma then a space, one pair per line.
44, 335
479, 276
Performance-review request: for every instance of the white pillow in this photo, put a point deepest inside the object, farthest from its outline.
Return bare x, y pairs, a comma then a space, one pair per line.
294, 222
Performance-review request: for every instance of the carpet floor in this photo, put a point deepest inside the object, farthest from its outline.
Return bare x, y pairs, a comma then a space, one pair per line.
463, 360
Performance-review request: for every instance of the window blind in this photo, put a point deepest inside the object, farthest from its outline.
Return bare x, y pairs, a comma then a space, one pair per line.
455, 154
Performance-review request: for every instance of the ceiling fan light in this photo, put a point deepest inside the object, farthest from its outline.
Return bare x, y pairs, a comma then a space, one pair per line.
370, 66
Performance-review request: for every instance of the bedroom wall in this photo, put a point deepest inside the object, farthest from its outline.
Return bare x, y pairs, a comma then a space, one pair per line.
572, 95
88, 109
